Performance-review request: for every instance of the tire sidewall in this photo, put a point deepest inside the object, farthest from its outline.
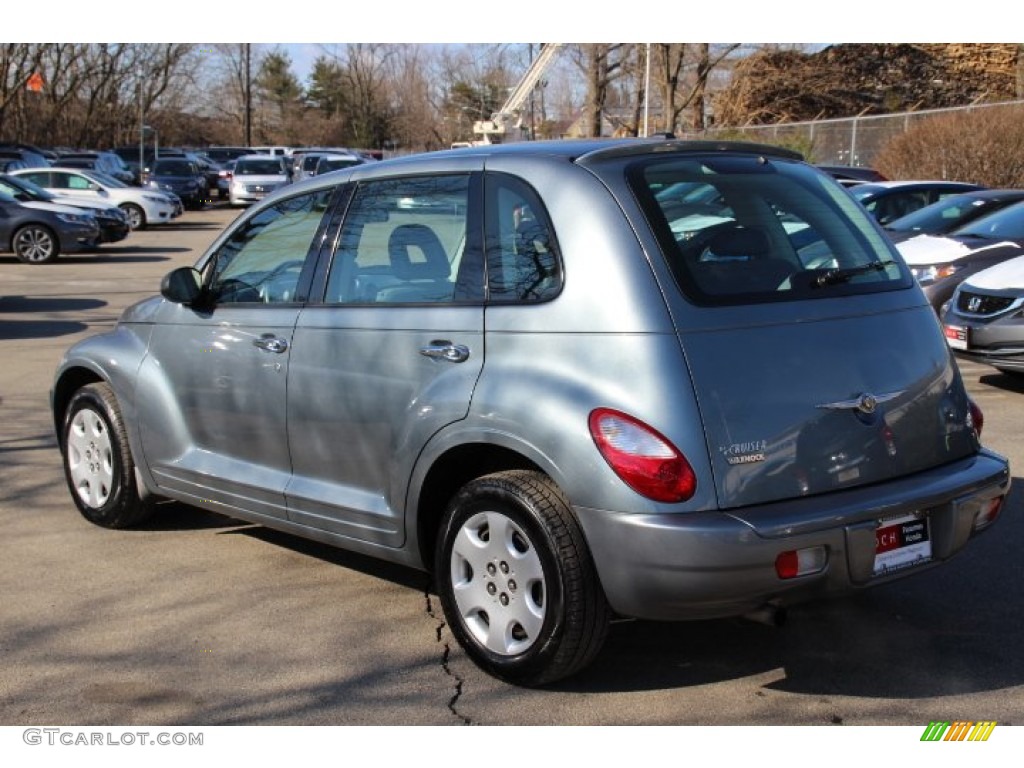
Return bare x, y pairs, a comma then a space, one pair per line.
496, 495
110, 513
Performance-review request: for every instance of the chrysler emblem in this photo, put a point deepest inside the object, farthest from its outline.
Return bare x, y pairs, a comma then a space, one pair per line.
865, 402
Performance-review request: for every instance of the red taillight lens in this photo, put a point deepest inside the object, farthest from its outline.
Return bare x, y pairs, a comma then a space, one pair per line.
644, 460
977, 417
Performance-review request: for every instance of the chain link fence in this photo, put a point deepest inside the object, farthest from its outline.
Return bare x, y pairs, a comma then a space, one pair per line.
845, 141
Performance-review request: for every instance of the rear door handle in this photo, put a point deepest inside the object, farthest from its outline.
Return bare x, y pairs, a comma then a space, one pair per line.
445, 350
271, 343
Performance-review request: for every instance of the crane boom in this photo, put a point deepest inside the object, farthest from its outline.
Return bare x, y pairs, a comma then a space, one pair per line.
493, 131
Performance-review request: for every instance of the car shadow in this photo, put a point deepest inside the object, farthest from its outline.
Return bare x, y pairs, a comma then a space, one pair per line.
1008, 381
947, 631
39, 329
198, 226
48, 304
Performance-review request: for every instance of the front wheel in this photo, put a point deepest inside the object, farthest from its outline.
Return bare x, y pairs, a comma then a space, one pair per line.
516, 579
35, 244
136, 216
98, 463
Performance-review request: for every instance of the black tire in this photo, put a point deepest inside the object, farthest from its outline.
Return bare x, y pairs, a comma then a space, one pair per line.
35, 244
535, 578
98, 464
136, 216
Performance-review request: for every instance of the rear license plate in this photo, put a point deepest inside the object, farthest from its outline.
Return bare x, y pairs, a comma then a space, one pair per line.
902, 542
956, 336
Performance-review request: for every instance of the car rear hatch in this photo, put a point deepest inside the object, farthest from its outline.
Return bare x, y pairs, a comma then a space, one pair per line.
794, 408
816, 361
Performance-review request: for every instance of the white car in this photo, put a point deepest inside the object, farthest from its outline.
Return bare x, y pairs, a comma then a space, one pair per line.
255, 177
143, 207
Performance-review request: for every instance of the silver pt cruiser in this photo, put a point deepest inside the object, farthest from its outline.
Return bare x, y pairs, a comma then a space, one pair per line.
572, 380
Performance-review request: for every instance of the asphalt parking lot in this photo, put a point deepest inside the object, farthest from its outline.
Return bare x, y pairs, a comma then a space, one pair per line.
201, 619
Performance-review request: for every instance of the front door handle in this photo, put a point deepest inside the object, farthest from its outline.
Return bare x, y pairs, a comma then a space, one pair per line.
445, 350
271, 343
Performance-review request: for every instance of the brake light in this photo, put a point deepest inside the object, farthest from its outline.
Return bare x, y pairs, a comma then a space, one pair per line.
642, 458
976, 419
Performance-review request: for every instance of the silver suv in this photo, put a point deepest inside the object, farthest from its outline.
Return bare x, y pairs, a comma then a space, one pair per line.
572, 380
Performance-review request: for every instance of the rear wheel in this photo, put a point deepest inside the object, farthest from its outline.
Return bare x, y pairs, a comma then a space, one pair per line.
136, 216
516, 580
35, 244
98, 463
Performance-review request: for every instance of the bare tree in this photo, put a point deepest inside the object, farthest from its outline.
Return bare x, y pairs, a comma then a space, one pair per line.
601, 64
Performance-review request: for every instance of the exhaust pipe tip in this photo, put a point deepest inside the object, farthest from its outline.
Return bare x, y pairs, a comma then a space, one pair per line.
769, 615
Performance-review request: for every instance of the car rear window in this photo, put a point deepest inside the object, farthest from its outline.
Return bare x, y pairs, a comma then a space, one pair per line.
743, 228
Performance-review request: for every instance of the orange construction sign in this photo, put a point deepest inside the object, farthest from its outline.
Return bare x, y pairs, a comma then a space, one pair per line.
35, 82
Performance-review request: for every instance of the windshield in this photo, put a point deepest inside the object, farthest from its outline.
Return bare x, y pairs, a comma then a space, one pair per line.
172, 168
21, 189
1007, 224
736, 229
269, 167
938, 217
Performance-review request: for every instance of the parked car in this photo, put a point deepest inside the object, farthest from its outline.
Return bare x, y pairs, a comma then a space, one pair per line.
889, 200
256, 176
224, 154
211, 173
941, 262
180, 176
224, 178
31, 156
984, 322
543, 396
142, 206
38, 235
112, 221
951, 213
9, 163
852, 173
336, 162
108, 163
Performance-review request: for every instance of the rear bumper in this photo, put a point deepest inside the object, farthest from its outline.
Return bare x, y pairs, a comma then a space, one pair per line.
712, 564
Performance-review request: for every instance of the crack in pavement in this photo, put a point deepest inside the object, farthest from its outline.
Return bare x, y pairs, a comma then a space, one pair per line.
445, 656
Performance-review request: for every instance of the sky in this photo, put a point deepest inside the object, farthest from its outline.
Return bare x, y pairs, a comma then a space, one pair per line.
446, 21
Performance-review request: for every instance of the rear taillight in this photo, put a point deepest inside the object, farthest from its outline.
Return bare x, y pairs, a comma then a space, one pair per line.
976, 418
645, 460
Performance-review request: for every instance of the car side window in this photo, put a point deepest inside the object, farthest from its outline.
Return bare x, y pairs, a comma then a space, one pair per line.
263, 259
402, 242
78, 182
522, 255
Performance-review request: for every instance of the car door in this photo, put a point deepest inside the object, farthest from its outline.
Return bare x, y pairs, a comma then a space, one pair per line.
390, 357
212, 390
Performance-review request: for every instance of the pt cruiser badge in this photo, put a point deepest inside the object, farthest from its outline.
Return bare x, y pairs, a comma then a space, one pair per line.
744, 453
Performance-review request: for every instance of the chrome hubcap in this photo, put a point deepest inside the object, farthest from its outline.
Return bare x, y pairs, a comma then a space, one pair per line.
90, 458
498, 583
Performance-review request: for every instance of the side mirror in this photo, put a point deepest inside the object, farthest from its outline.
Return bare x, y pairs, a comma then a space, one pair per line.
182, 286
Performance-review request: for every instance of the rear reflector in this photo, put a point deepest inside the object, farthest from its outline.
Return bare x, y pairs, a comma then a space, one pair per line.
800, 562
988, 513
642, 458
